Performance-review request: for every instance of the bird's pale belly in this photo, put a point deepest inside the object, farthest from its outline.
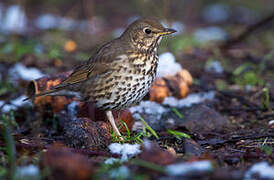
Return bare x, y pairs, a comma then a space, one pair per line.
130, 90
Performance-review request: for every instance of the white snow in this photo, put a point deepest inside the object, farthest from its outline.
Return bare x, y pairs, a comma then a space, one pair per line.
27, 172
216, 13
271, 122
138, 125
14, 104
167, 65
111, 160
147, 144
121, 172
126, 150
214, 66
72, 108
46, 21
1, 103
171, 101
49, 21
262, 169
212, 33
188, 167
14, 20
19, 101
8, 107
191, 99
148, 107
67, 23
22, 72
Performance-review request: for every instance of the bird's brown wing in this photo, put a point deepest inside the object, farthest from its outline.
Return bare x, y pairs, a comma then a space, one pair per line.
99, 64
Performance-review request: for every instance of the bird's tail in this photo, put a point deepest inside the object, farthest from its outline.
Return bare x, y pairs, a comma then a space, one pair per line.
45, 93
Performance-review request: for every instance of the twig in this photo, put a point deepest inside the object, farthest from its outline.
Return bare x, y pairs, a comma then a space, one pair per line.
249, 30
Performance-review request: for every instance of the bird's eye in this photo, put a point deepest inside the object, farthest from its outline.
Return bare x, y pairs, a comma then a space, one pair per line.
147, 31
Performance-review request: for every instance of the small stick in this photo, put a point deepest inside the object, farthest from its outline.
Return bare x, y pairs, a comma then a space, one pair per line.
249, 30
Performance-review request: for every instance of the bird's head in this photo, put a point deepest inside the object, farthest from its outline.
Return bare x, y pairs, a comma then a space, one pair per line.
146, 34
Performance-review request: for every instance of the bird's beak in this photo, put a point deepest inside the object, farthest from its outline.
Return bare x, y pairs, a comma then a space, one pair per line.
167, 31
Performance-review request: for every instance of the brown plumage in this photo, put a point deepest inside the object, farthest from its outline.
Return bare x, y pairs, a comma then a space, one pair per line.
121, 72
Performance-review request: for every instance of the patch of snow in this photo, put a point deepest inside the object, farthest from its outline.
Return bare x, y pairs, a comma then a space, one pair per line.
138, 125
191, 99
14, 20
28, 172
189, 167
213, 33
121, 172
8, 107
1, 103
216, 13
126, 150
72, 108
170, 122
248, 87
147, 144
49, 21
171, 101
214, 66
20, 71
46, 21
111, 160
270, 123
167, 65
15, 103
262, 169
148, 107
19, 101
67, 23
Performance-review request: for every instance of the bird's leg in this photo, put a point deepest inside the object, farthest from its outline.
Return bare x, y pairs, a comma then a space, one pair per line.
112, 122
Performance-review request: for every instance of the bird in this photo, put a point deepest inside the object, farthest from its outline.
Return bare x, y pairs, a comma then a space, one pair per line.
121, 72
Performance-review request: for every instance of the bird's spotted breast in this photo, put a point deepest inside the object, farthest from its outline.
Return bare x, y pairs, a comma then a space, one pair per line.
128, 84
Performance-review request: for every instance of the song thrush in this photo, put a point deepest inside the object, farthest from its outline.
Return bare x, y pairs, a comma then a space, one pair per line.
121, 72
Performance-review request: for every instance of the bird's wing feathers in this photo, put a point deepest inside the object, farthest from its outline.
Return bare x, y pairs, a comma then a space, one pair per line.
80, 74
99, 64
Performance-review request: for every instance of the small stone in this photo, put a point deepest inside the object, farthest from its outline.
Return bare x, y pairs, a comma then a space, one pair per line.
64, 164
172, 151
153, 153
200, 118
192, 148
